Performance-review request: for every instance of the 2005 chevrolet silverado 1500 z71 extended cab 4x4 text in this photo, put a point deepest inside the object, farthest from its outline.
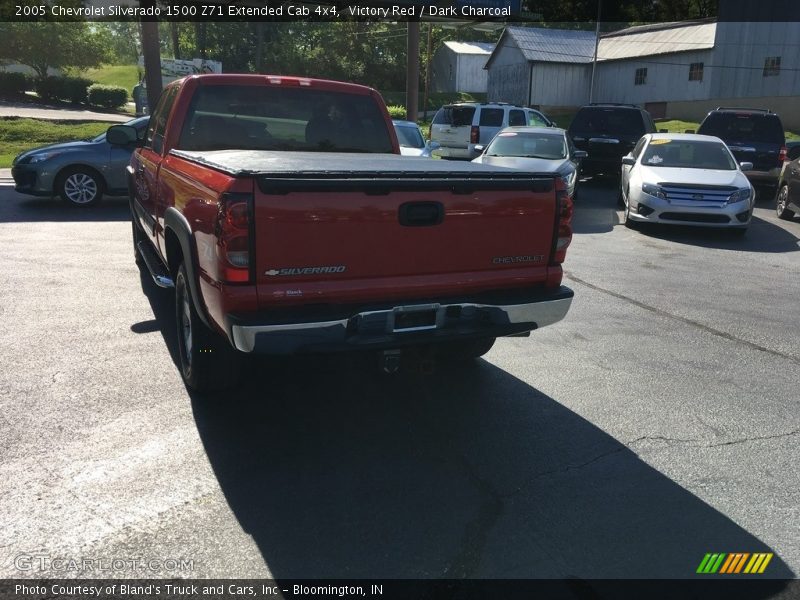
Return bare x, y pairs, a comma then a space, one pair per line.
282, 213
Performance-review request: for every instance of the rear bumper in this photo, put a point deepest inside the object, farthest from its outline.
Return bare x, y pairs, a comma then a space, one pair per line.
467, 153
377, 328
770, 177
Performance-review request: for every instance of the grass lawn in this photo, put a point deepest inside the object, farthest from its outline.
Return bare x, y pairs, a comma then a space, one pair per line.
125, 76
18, 135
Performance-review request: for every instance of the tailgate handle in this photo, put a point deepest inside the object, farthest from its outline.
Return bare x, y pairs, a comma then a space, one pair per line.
421, 214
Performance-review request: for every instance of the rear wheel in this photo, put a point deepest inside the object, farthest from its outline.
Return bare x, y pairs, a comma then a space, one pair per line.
782, 204
207, 361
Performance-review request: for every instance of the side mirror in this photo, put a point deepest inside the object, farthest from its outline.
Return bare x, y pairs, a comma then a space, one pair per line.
663, 131
690, 131
122, 135
479, 148
579, 154
628, 160
434, 145
746, 166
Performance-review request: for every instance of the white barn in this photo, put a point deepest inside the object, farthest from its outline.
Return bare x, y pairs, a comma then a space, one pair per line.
458, 67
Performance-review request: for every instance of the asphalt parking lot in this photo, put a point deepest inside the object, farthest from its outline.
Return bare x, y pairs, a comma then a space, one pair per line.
657, 423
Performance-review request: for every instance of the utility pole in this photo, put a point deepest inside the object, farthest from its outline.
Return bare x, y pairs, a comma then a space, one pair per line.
427, 71
596, 44
412, 72
151, 52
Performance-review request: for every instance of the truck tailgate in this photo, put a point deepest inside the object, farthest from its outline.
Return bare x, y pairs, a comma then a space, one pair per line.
333, 237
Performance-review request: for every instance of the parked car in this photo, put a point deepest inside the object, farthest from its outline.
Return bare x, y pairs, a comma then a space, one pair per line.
686, 179
80, 172
535, 150
607, 132
458, 128
411, 140
754, 135
792, 150
787, 202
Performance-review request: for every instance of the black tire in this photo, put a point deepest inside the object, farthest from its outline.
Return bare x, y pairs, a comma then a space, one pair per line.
628, 222
466, 350
207, 362
782, 203
138, 236
80, 186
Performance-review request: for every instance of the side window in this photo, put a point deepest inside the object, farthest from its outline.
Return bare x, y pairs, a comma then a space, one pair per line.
158, 122
492, 117
637, 150
536, 120
516, 118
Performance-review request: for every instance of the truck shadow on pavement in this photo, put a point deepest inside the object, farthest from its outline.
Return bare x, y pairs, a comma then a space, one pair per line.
337, 471
26, 209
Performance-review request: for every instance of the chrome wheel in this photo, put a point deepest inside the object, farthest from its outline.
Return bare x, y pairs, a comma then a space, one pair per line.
80, 188
782, 202
186, 329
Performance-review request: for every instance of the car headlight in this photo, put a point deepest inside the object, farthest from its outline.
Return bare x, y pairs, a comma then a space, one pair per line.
42, 156
653, 190
739, 196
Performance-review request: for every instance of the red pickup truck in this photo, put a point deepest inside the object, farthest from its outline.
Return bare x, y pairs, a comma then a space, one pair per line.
281, 212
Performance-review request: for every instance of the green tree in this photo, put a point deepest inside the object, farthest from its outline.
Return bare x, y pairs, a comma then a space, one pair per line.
45, 45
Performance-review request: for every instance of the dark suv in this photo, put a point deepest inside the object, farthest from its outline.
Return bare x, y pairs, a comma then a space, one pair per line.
608, 132
753, 135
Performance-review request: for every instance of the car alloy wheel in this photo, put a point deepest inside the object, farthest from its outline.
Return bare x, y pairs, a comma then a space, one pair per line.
782, 202
80, 187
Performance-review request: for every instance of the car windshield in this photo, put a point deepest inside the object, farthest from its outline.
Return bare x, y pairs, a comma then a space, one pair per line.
688, 154
256, 117
409, 136
528, 145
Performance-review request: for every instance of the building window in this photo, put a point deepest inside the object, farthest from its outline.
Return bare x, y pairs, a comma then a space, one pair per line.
772, 66
641, 76
696, 72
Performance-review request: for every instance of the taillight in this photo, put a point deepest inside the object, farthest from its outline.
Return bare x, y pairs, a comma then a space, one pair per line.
474, 134
782, 154
233, 237
564, 227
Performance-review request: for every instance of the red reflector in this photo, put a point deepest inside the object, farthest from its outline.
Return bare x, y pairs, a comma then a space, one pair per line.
782, 154
474, 134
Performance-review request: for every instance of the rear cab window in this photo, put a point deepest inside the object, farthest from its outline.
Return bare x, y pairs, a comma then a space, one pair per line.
258, 117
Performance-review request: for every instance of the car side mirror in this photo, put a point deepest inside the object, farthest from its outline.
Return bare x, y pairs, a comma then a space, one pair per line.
434, 145
479, 148
746, 166
628, 160
122, 135
579, 154
690, 131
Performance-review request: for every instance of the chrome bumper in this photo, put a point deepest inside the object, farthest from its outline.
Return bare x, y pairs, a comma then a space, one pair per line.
376, 329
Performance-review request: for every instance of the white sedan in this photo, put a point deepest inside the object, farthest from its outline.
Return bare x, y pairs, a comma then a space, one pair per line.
685, 179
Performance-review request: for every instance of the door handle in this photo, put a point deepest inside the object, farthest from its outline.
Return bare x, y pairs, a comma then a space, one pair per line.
421, 214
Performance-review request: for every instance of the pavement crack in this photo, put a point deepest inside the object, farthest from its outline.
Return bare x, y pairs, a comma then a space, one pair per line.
691, 322
476, 533
755, 439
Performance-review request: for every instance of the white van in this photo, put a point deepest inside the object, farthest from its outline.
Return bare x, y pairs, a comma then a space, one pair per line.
459, 127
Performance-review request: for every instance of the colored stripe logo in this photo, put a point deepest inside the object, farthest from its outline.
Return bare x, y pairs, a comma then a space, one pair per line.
734, 563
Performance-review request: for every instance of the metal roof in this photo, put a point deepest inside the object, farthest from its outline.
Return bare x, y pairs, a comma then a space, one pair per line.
549, 45
650, 40
470, 47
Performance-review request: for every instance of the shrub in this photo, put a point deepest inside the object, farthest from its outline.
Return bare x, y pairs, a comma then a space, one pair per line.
70, 89
14, 83
48, 88
108, 96
74, 89
396, 111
